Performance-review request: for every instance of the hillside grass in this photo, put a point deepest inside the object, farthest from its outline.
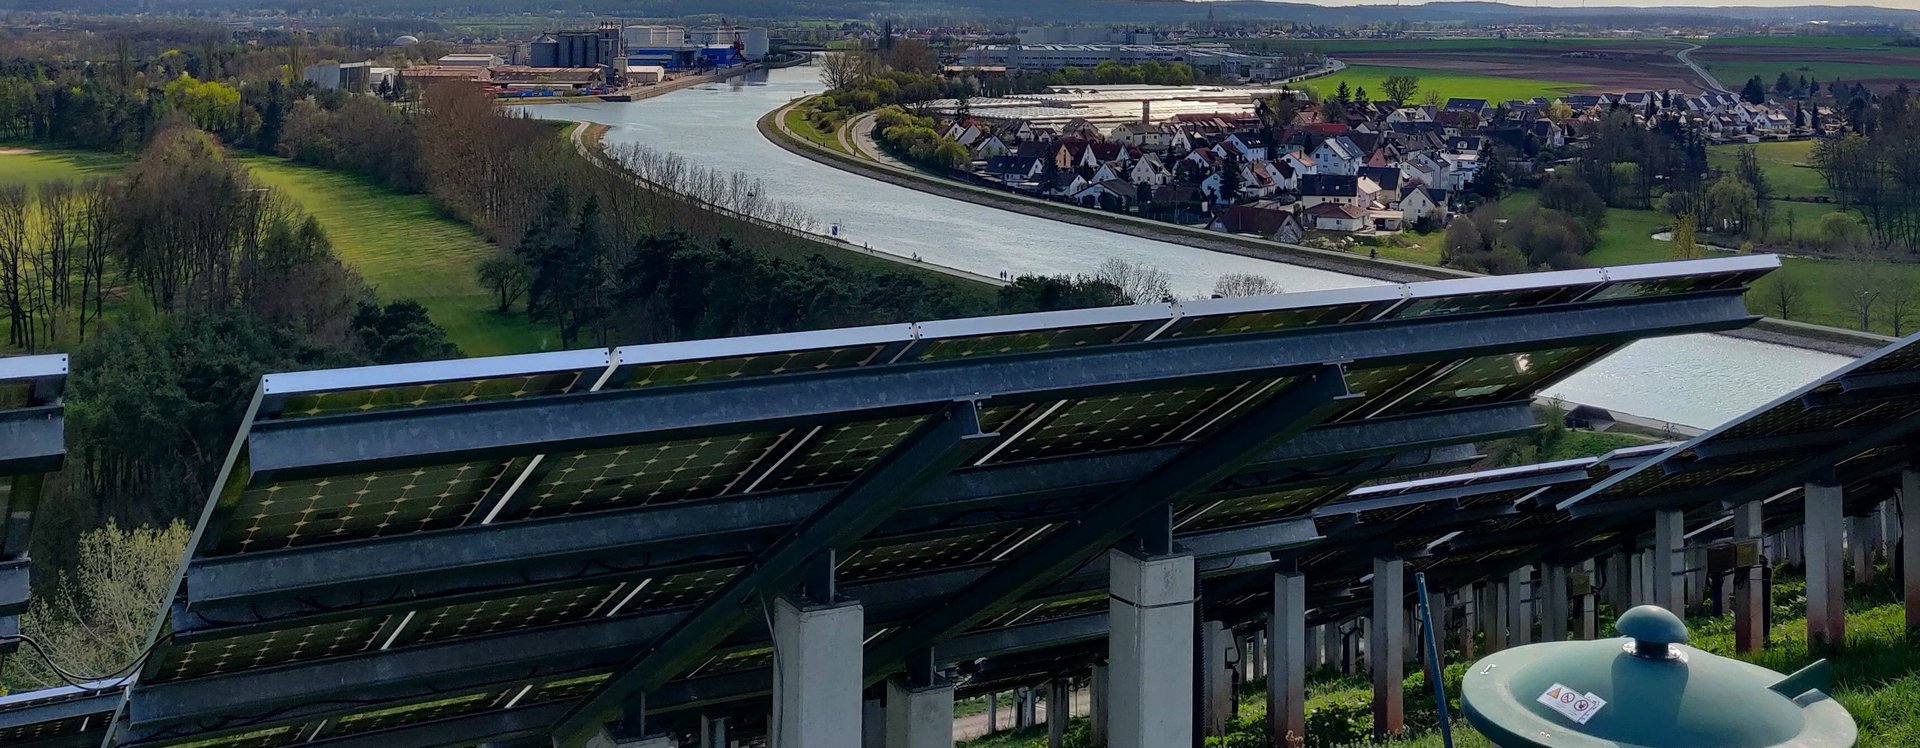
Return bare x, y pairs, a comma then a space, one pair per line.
29, 166
1450, 84
1877, 677
1786, 165
406, 249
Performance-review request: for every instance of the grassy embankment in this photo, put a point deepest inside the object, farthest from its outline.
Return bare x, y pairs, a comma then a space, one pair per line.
396, 242
796, 121
406, 249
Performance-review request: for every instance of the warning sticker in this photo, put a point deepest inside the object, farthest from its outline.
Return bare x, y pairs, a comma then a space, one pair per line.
1572, 704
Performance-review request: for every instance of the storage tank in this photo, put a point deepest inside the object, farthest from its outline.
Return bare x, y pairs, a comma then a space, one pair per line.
654, 37
544, 52
757, 44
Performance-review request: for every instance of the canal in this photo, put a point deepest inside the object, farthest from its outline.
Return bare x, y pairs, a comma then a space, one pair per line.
1694, 380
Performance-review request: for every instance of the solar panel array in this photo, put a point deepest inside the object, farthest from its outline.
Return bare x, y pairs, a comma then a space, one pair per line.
1858, 422
465, 549
32, 444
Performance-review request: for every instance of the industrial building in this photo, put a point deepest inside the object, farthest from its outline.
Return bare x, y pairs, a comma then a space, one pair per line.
1084, 35
678, 48
576, 49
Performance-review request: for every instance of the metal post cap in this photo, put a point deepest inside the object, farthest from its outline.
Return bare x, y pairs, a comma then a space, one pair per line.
1652, 624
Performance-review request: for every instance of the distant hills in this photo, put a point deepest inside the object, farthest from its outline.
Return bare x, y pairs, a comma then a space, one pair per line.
1049, 11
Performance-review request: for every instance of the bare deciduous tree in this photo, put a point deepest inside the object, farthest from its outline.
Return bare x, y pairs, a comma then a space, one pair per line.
1784, 296
1244, 284
845, 68
1140, 283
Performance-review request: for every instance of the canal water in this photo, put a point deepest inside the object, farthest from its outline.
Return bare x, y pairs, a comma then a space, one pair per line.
1694, 380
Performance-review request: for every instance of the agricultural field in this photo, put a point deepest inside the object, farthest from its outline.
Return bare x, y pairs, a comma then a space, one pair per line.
1867, 60
1576, 65
407, 250
1447, 83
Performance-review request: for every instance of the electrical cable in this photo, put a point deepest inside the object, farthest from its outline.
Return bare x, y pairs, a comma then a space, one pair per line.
123, 674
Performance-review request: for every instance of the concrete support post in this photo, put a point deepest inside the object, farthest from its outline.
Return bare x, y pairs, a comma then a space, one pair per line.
1669, 538
1469, 622
873, 724
1749, 593
713, 732
1826, 600
1286, 668
1099, 692
1860, 548
1333, 641
1696, 577
1253, 665
1151, 650
1618, 580
919, 717
1587, 618
1059, 712
1554, 607
1910, 548
1498, 598
1217, 651
1389, 606
993, 713
1637, 579
816, 696
1520, 607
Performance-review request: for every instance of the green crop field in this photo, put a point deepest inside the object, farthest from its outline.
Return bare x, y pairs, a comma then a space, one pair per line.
1822, 58
1802, 42
406, 250
28, 166
1450, 84
1335, 46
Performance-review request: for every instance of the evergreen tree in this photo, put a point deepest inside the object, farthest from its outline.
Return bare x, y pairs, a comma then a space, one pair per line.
1754, 92
1783, 85
1343, 94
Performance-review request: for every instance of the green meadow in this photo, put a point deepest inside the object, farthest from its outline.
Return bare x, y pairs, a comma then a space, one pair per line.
1450, 84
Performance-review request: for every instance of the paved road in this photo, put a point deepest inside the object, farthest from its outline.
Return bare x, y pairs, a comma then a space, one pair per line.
1685, 56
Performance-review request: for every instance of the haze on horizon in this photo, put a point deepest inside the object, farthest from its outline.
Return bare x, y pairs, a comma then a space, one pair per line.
1894, 4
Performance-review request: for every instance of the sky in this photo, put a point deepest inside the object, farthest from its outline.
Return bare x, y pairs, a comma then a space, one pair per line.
1900, 4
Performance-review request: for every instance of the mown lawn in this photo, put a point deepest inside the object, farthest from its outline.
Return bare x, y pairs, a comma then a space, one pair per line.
1450, 84
1786, 165
407, 250
29, 166
796, 120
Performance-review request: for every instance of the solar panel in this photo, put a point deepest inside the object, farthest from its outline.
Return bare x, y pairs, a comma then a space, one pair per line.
1858, 419
488, 451
61, 716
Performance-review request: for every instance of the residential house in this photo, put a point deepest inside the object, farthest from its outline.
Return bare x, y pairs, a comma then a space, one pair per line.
1338, 155
1112, 192
989, 147
1343, 189
1419, 201
1336, 217
1149, 171
1013, 169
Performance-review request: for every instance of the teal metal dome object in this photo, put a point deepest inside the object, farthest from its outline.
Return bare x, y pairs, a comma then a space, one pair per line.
1648, 689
